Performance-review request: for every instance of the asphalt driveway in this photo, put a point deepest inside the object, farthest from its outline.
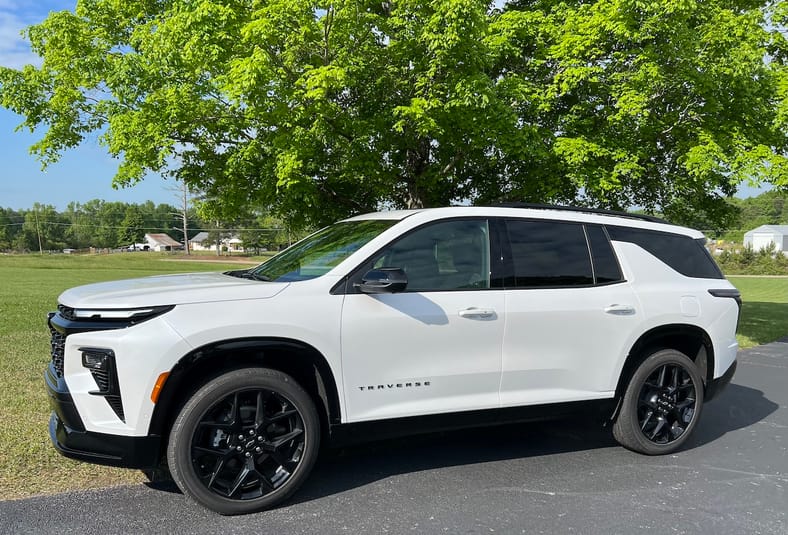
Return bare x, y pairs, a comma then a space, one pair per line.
561, 477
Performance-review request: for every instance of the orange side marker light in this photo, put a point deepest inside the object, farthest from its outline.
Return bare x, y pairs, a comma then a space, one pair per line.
154, 395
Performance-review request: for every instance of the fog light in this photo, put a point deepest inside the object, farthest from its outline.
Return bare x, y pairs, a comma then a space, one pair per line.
95, 360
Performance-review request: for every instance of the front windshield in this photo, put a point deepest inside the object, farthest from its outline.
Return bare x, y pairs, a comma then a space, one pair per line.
320, 252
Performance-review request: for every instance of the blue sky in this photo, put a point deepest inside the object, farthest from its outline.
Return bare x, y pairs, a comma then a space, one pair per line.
83, 173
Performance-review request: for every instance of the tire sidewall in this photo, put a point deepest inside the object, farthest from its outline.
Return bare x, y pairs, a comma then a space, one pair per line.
179, 446
635, 439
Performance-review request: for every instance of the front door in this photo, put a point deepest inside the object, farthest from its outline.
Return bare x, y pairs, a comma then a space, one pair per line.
436, 347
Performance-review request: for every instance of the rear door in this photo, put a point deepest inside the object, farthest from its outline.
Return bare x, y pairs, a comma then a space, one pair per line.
569, 313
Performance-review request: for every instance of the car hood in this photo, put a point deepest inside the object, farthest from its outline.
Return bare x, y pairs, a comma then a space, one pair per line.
168, 290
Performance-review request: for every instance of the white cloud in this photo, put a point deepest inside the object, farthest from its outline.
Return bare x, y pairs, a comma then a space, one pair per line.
14, 50
15, 16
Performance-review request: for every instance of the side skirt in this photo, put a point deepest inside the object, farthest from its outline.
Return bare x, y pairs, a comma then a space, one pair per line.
355, 433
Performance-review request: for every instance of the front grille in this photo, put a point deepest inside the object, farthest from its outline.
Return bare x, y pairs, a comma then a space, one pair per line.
58, 345
117, 405
102, 379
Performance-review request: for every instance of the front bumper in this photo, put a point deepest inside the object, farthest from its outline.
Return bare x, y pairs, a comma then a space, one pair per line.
718, 385
70, 438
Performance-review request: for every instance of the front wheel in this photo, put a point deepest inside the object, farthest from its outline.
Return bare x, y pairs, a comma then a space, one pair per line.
661, 405
245, 441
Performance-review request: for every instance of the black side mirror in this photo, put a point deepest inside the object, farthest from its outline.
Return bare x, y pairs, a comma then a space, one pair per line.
383, 281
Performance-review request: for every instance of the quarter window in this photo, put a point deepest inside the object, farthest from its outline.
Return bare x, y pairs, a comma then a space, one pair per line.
685, 255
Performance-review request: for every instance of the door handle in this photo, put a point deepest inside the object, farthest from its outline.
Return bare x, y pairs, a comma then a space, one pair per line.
473, 312
620, 310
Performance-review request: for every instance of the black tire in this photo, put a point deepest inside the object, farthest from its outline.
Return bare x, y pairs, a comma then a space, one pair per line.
661, 405
245, 441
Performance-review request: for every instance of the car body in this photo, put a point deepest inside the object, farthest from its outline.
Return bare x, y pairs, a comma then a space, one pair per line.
392, 322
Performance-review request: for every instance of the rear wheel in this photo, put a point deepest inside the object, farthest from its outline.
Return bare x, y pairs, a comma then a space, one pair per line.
245, 441
661, 405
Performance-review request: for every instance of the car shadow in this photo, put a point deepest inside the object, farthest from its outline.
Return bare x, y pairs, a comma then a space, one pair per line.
348, 468
344, 469
736, 407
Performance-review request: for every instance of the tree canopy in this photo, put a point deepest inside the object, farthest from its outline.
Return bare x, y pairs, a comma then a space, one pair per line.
316, 110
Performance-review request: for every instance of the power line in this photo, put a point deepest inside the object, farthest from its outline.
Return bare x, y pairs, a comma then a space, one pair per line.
98, 225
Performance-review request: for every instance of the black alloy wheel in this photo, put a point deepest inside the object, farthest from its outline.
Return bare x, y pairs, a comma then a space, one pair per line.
661, 405
666, 404
245, 441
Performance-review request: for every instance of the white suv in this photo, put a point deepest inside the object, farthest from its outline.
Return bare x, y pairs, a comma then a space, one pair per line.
392, 322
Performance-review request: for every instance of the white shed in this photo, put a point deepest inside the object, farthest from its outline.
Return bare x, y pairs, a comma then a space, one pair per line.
162, 242
760, 238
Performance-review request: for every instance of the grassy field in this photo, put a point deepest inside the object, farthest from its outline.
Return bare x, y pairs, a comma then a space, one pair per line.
29, 289
764, 315
29, 286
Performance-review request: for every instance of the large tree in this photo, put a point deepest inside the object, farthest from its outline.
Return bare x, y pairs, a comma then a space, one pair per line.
320, 109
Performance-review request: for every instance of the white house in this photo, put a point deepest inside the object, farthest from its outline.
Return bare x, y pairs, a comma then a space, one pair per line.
760, 238
161, 242
200, 242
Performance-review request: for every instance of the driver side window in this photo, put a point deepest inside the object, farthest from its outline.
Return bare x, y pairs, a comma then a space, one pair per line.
450, 255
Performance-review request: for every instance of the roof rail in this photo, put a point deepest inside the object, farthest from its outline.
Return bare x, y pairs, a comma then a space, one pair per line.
536, 206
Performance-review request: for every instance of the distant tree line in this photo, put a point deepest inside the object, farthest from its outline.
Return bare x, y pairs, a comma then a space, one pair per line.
111, 225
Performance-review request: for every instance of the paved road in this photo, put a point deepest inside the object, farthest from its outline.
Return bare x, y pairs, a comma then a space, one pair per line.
566, 477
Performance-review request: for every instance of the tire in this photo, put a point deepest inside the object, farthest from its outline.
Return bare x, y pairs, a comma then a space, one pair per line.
662, 404
244, 442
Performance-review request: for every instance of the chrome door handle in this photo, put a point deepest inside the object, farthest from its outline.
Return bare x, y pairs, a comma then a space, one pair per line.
620, 310
473, 312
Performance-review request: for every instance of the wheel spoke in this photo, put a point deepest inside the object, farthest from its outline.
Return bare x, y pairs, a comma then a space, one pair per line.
259, 416
662, 372
657, 428
236, 411
217, 425
647, 403
216, 469
675, 379
646, 420
284, 439
282, 415
239, 480
211, 451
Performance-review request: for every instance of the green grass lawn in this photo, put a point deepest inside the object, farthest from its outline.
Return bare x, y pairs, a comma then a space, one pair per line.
29, 287
764, 315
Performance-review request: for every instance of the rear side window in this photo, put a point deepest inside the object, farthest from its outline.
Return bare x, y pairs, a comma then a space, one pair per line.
606, 268
685, 255
548, 254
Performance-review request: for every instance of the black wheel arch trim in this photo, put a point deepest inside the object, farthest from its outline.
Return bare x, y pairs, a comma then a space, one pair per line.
285, 354
664, 337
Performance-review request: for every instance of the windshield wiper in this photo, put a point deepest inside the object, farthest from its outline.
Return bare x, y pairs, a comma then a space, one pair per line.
247, 274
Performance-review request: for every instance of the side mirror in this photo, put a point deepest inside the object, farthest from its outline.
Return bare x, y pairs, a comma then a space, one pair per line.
383, 281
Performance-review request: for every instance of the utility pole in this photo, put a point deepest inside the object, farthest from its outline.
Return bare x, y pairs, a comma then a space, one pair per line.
184, 213
38, 232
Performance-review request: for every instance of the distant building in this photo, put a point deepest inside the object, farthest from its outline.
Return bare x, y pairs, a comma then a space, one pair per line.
161, 242
201, 242
760, 238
